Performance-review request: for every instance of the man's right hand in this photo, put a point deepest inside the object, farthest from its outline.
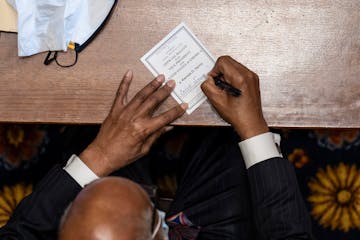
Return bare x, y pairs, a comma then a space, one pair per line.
244, 113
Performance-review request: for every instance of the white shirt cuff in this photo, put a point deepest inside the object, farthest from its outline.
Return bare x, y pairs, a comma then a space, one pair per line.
260, 148
78, 170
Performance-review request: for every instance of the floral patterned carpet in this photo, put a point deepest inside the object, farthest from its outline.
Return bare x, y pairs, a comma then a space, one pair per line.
326, 163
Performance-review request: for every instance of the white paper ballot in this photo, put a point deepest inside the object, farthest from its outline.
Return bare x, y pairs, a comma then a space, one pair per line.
182, 57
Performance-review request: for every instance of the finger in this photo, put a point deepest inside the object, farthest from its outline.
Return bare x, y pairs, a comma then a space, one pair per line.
124, 87
214, 94
167, 117
257, 81
155, 99
231, 70
144, 93
210, 89
152, 139
221, 65
121, 93
226, 61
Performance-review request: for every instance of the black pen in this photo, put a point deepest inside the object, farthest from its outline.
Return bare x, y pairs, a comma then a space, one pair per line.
226, 86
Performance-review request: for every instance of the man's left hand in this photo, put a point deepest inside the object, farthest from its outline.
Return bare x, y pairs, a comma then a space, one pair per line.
130, 128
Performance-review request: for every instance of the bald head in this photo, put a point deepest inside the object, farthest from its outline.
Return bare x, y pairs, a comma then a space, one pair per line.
109, 208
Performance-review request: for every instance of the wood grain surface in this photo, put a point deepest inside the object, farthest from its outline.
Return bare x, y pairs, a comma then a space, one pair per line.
307, 54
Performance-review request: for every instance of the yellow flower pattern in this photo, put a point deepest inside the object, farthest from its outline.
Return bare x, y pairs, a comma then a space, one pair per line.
10, 196
20, 143
298, 157
335, 197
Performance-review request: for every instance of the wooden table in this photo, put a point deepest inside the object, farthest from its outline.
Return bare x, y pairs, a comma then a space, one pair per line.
307, 54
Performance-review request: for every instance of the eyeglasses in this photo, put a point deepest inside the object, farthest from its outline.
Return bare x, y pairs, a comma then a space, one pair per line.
155, 226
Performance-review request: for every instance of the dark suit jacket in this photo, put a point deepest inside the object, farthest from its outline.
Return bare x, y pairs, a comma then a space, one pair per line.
278, 207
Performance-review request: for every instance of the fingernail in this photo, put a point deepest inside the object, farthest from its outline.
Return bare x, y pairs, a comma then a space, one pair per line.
128, 74
168, 128
184, 106
171, 83
160, 78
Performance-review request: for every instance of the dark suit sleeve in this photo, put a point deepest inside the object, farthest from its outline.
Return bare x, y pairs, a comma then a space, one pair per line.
280, 212
38, 215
